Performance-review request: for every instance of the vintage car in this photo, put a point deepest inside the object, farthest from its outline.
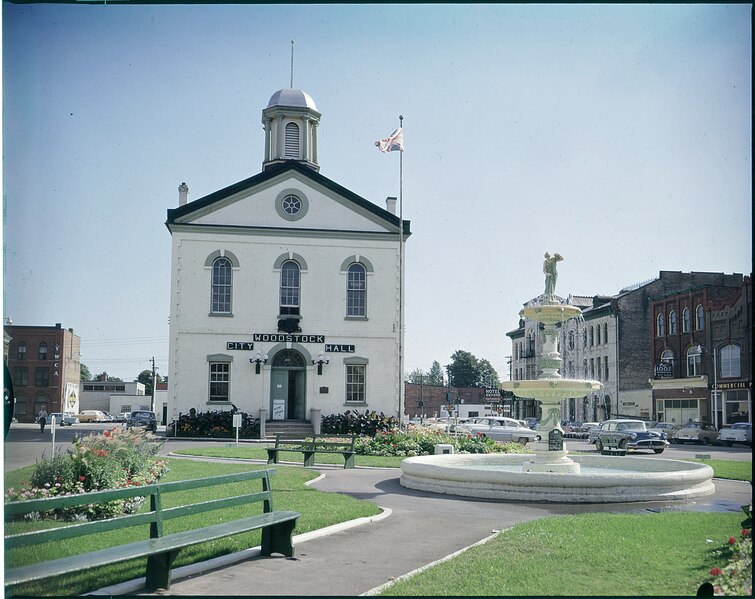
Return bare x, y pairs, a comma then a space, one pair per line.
91, 416
741, 432
630, 434
500, 428
702, 433
669, 428
63, 419
143, 418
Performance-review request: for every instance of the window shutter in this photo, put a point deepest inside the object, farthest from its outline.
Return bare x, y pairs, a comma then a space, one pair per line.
292, 140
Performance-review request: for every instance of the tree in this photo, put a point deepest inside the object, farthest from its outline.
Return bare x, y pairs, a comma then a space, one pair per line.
435, 376
416, 376
467, 371
85, 374
145, 377
103, 376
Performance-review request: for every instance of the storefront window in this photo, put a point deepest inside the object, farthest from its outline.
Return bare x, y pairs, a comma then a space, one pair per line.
737, 407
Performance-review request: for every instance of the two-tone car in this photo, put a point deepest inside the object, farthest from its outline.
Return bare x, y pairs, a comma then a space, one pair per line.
741, 432
500, 428
629, 434
702, 433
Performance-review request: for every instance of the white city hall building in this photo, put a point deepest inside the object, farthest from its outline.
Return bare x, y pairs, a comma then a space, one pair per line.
285, 288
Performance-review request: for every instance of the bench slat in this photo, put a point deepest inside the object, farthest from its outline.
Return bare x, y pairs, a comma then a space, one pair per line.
121, 553
214, 504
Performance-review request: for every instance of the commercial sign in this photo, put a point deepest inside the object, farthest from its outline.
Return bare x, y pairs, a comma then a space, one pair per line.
664, 370
286, 338
735, 385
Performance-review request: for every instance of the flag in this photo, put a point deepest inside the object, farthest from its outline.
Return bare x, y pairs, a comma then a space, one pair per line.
394, 142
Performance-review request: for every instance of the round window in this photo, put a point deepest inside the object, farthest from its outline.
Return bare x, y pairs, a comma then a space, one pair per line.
291, 205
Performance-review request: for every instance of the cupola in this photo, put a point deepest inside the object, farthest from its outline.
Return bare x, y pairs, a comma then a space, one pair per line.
291, 120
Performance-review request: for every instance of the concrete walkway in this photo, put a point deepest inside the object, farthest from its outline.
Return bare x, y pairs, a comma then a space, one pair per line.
420, 529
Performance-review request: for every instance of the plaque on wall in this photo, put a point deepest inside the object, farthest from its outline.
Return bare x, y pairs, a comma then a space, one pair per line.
555, 440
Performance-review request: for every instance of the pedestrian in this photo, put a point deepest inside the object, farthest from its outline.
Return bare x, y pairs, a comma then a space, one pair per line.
42, 419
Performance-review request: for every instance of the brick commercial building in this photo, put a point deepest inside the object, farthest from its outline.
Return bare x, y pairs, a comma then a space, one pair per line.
45, 365
702, 354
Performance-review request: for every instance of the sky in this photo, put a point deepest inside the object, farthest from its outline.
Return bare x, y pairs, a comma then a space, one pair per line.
619, 136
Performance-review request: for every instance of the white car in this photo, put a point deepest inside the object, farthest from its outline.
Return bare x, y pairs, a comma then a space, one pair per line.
741, 432
63, 419
500, 428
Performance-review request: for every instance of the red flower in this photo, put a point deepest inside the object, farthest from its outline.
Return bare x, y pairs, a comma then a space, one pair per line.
745, 532
732, 540
716, 571
82, 478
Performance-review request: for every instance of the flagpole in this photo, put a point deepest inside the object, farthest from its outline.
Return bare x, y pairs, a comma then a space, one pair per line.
401, 282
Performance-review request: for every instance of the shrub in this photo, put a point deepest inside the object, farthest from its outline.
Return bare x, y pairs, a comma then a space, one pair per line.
216, 424
117, 458
352, 422
735, 577
422, 442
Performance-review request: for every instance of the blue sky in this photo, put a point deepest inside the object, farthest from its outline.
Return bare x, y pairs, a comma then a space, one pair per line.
617, 135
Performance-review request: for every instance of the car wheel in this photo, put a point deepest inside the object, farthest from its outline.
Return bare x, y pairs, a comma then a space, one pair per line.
598, 445
623, 444
706, 441
657, 451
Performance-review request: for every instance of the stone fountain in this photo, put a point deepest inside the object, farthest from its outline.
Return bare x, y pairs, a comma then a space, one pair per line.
550, 474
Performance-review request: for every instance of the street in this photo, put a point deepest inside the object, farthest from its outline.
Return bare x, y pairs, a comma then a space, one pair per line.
25, 445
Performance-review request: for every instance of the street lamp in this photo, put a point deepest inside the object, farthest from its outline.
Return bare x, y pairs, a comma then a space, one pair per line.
321, 359
257, 360
701, 349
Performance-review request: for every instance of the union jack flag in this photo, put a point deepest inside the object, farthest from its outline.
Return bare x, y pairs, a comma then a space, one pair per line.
394, 142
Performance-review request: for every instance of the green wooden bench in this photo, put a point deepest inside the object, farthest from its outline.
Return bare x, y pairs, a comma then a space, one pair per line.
160, 549
319, 443
611, 446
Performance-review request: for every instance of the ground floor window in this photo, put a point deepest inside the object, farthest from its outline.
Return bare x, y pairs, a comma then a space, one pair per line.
737, 406
678, 411
20, 409
356, 383
220, 378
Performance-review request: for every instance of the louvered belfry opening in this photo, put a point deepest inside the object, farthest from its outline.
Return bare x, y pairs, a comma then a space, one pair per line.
292, 141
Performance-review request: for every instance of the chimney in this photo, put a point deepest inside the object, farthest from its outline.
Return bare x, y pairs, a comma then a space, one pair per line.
183, 194
390, 204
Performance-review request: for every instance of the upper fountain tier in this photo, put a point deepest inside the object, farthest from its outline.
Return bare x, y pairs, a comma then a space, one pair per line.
549, 311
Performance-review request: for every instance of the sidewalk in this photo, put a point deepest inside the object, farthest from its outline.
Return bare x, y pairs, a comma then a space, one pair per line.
421, 528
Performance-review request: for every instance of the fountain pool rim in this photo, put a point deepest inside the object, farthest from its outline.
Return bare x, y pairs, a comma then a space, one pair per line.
639, 478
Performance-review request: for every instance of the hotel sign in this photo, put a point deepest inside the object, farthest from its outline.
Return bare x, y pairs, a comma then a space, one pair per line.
664, 370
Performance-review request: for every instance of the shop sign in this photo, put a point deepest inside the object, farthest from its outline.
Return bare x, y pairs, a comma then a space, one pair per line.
664, 370
335, 348
240, 345
735, 385
285, 338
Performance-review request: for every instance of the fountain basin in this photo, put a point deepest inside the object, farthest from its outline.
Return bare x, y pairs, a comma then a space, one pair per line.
603, 479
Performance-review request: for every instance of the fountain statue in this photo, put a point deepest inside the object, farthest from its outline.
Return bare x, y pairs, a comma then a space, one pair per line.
550, 474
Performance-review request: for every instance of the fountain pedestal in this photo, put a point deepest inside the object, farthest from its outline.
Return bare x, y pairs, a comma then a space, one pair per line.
550, 389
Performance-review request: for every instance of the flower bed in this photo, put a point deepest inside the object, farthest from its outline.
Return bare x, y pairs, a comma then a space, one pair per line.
422, 442
735, 577
216, 424
115, 458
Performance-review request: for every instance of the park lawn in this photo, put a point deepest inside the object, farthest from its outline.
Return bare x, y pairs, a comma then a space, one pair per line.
317, 509
731, 469
664, 553
255, 452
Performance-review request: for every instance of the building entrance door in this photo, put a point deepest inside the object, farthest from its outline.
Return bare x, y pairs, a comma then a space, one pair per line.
288, 398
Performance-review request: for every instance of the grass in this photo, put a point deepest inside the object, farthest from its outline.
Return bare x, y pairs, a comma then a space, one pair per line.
289, 493
731, 469
590, 554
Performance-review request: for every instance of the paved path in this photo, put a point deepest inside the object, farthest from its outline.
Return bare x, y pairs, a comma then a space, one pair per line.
420, 529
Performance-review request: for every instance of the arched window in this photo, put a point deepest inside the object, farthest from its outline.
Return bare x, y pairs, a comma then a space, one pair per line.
584, 337
289, 358
685, 320
605, 332
42, 351
667, 356
592, 336
694, 361
290, 287
730, 362
531, 344
22, 351
699, 318
292, 141
571, 339
672, 323
597, 335
660, 326
356, 291
222, 279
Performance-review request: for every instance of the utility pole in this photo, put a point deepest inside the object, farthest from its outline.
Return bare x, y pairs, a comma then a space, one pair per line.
154, 384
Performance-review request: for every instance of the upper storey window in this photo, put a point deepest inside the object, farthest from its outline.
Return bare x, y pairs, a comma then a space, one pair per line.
699, 318
222, 286
672, 323
686, 321
290, 288
356, 290
660, 326
42, 351
22, 351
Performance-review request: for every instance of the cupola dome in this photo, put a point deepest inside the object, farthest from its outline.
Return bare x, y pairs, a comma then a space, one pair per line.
291, 120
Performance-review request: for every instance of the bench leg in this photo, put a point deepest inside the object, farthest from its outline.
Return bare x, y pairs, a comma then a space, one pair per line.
309, 458
158, 570
272, 456
277, 539
348, 460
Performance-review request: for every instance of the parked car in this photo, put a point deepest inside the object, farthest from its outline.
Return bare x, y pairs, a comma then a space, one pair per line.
63, 419
500, 428
630, 434
109, 417
123, 416
702, 433
91, 416
670, 428
741, 432
143, 418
